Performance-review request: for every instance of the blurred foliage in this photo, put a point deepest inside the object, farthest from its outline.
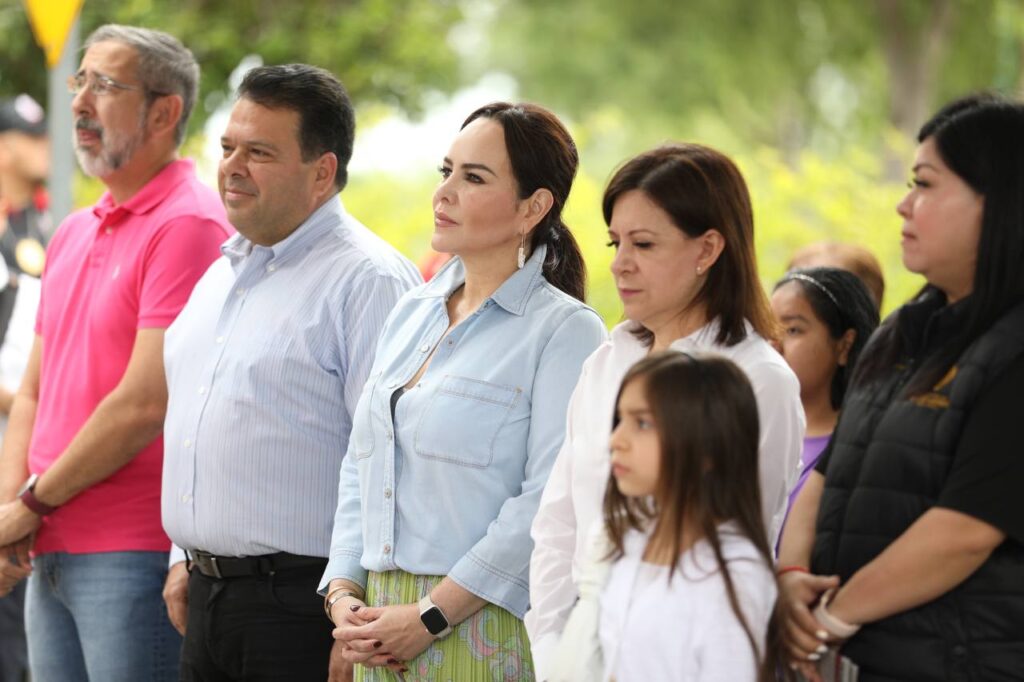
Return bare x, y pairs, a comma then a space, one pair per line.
797, 91
844, 199
788, 73
385, 51
841, 200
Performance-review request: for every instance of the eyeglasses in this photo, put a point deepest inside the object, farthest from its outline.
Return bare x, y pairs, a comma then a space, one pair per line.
98, 84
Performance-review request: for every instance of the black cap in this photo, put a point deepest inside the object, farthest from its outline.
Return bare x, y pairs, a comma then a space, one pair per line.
22, 113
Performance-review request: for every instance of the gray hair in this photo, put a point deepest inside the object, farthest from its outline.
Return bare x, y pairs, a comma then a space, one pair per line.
166, 67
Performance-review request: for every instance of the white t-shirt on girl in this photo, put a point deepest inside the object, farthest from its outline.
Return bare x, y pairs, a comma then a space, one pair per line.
686, 630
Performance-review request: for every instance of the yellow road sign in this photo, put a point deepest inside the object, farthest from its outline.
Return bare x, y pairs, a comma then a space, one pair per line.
51, 21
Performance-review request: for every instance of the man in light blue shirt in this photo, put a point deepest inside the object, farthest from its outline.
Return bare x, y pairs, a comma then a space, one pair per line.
264, 366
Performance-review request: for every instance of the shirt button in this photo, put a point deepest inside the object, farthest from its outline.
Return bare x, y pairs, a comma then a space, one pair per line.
387, 549
424, 348
220, 339
187, 443
202, 390
239, 292
387, 493
271, 268
186, 498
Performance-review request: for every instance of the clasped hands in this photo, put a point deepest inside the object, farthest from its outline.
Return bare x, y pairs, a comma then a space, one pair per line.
18, 523
386, 636
805, 638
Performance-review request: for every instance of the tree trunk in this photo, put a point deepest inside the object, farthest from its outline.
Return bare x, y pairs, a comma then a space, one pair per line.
913, 55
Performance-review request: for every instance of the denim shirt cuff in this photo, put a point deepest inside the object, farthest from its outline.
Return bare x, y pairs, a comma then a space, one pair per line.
510, 592
345, 566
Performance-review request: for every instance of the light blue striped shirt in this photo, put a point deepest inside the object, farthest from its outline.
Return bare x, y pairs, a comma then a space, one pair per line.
264, 367
452, 483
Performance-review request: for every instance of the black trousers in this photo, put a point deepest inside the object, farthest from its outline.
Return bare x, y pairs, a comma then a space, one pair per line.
256, 629
13, 648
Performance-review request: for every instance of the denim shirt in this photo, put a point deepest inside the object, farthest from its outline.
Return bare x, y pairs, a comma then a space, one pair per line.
450, 486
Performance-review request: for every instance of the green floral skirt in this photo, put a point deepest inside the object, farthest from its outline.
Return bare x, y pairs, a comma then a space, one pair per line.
491, 645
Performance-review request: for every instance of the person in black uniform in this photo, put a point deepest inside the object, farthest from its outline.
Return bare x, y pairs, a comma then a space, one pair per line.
25, 227
906, 548
25, 224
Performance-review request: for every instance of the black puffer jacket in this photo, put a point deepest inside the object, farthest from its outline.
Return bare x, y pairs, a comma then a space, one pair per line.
889, 462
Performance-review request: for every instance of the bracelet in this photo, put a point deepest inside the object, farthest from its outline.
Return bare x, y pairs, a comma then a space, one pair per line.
832, 625
336, 595
790, 569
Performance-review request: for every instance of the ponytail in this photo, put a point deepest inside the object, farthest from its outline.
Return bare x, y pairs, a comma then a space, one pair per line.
543, 154
564, 267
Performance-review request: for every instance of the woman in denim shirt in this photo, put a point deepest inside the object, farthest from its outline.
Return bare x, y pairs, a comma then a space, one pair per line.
462, 416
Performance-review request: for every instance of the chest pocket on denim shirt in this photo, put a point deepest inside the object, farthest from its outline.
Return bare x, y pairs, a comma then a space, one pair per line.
462, 421
362, 420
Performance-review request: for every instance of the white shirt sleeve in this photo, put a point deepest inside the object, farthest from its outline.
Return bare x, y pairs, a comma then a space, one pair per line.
176, 556
781, 416
552, 591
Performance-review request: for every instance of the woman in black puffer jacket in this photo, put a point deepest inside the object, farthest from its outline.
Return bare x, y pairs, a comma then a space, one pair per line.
906, 547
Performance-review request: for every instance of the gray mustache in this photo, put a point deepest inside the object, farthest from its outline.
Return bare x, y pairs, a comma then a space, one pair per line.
90, 125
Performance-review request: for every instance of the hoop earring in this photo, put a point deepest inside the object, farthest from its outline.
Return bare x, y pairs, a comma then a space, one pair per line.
521, 257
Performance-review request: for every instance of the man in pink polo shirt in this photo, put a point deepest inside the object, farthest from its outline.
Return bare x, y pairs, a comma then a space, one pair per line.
83, 444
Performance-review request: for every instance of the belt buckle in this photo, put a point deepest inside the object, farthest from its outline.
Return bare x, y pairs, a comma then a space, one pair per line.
208, 564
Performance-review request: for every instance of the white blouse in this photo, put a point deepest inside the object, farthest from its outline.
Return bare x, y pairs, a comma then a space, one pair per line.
573, 495
686, 630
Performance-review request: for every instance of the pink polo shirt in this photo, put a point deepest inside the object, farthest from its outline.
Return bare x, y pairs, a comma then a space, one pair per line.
111, 270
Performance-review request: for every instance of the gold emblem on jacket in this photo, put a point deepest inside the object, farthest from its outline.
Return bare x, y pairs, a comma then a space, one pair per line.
933, 398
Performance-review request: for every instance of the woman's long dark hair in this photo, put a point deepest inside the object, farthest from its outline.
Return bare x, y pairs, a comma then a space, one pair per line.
981, 139
702, 189
842, 302
705, 414
543, 154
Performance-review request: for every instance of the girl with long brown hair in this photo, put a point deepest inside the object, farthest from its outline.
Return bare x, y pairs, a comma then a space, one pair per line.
691, 592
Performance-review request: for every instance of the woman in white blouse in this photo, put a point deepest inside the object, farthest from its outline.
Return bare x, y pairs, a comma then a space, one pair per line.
680, 219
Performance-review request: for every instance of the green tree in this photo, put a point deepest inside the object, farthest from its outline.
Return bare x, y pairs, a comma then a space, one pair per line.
385, 51
789, 73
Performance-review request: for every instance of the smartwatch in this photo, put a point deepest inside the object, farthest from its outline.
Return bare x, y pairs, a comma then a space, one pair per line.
434, 619
29, 499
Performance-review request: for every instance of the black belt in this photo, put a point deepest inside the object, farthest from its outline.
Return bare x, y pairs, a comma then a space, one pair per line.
214, 566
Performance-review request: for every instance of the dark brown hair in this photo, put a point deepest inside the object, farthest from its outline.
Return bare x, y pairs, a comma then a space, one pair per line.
701, 189
841, 301
327, 122
543, 154
705, 415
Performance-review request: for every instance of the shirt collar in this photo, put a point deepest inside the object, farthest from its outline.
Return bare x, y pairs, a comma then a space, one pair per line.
930, 320
152, 193
700, 338
329, 215
513, 293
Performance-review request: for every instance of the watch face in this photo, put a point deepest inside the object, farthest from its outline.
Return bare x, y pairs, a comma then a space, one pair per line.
434, 620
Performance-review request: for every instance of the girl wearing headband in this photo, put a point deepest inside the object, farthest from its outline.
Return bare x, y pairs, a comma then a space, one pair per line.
827, 316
